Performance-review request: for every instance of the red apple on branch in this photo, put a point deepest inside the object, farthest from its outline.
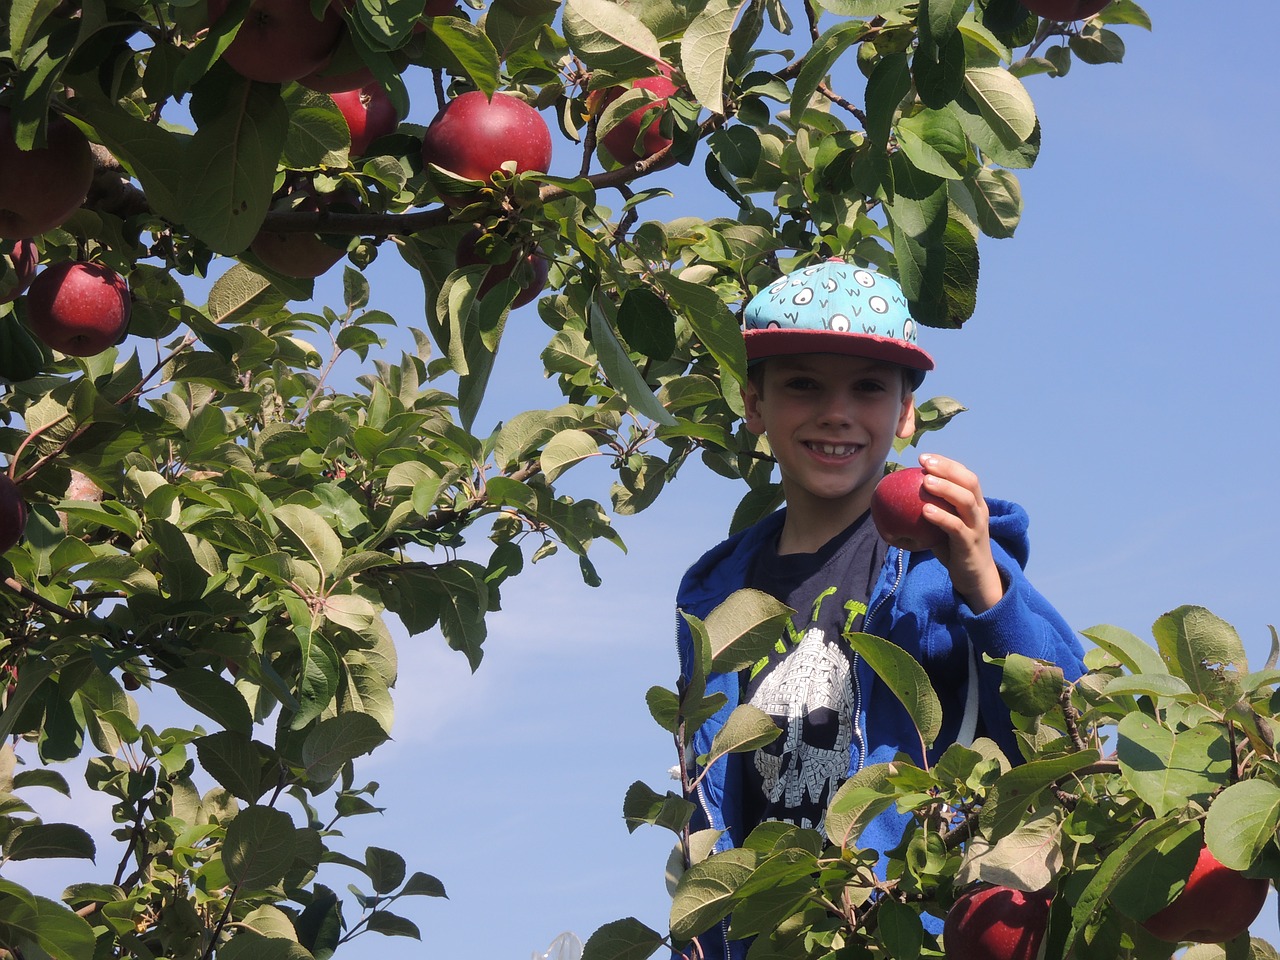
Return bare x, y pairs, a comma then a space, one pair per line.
13, 515
624, 141
369, 114
280, 40
996, 923
78, 308
299, 254
474, 136
40, 189
535, 261
1215, 906
1065, 11
24, 257
897, 510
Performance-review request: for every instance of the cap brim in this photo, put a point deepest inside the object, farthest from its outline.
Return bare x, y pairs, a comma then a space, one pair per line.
778, 343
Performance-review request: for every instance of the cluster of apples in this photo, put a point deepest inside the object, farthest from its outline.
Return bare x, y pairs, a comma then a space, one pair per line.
78, 308
1000, 923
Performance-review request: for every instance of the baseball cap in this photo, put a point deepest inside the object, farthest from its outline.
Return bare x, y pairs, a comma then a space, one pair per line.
835, 307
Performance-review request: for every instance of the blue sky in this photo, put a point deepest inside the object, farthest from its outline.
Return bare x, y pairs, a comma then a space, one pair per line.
1118, 379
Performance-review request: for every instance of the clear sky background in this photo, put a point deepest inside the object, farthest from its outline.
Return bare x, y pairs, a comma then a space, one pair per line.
1118, 374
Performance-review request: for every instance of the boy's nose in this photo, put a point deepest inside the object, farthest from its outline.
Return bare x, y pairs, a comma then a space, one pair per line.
836, 411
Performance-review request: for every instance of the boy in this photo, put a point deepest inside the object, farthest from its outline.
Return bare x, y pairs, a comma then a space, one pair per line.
833, 366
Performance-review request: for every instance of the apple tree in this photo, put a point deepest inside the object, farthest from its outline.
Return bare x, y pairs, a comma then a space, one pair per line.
198, 499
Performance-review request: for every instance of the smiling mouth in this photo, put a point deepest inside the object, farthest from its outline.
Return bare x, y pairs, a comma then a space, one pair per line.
833, 449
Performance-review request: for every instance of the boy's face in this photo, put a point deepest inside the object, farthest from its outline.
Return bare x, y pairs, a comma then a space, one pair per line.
831, 421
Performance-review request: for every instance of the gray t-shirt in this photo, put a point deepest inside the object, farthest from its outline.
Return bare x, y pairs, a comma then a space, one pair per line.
807, 684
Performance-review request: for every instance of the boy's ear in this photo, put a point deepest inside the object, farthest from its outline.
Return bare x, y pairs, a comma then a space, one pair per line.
754, 420
907, 419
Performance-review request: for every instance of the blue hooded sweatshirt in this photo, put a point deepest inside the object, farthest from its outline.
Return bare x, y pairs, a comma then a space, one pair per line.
914, 605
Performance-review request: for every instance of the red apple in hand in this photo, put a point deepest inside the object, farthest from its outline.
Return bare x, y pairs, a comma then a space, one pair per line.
1215, 906
535, 260
13, 515
280, 40
40, 189
897, 510
624, 141
369, 114
78, 308
25, 257
996, 923
1065, 11
473, 136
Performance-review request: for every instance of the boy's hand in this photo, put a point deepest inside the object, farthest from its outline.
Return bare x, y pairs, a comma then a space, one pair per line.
966, 553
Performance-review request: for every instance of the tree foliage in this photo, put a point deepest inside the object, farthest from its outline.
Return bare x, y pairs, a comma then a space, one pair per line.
213, 513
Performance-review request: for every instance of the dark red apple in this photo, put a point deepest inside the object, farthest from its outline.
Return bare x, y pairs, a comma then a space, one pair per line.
79, 308
624, 142
1215, 906
13, 515
1065, 11
369, 114
24, 257
535, 260
996, 923
40, 189
280, 40
474, 136
296, 254
897, 511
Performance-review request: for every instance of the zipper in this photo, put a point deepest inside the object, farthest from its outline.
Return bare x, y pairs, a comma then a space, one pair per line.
858, 732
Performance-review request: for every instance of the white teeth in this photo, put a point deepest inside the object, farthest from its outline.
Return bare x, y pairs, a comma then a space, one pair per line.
835, 450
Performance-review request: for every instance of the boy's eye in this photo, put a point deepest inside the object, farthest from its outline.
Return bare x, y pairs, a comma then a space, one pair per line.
801, 383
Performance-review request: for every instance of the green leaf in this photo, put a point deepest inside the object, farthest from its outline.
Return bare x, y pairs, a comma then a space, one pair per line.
1150, 684
313, 532
422, 885
1170, 768
46, 924
627, 939
644, 805
1003, 102
565, 449
704, 895
889, 83
744, 628
903, 675
819, 60
1031, 687
1242, 821
713, 323
1140, 842
259, 847
1204, 650
704, 51
748, 728
1134, 653
997, 198
939, 18
857, 802
1020, 788
386, 868
230, 163
472, 50
41, 778
211, 695
935, 142
622, 373
234, 761
337, 740
607, 36
392, 925
41, 841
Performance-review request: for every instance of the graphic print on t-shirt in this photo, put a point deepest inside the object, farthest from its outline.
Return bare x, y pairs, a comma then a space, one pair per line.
808, 685
810, 695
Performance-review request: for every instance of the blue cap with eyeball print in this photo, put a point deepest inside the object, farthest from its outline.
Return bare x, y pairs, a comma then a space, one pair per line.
835, 307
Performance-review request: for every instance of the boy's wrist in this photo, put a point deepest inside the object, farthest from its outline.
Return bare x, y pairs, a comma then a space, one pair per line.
984, 591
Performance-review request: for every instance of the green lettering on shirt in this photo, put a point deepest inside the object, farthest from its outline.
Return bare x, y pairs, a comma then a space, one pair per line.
856, 609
